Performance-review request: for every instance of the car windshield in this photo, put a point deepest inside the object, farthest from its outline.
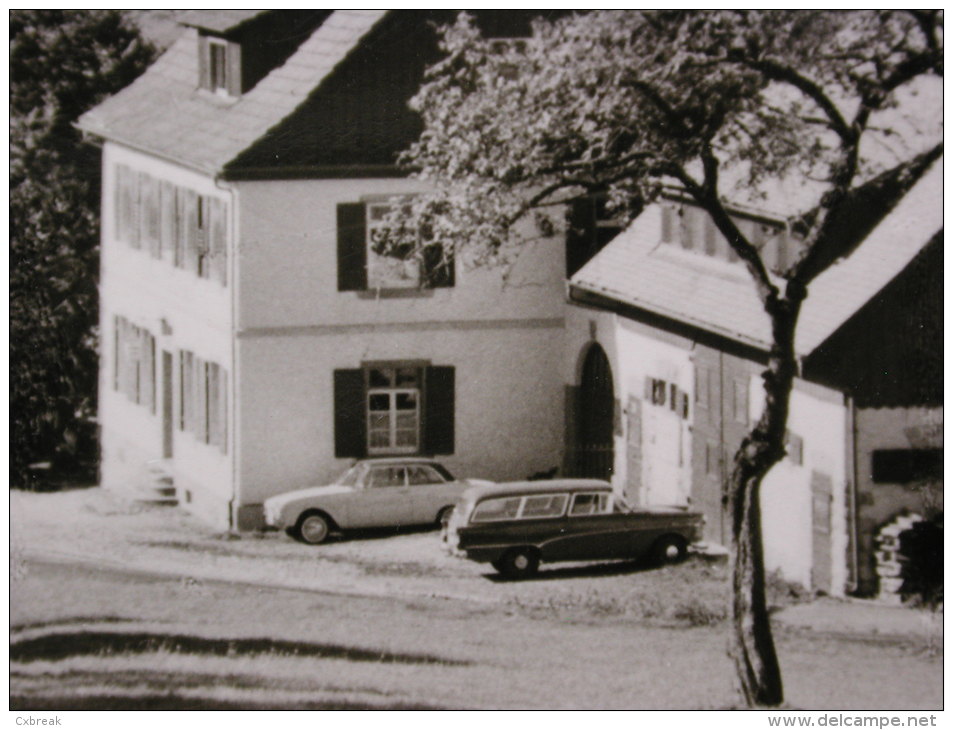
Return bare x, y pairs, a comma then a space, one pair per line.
620, 505
351, 477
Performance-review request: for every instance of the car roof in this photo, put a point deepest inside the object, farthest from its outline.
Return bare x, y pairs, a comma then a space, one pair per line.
543, 486
396, 460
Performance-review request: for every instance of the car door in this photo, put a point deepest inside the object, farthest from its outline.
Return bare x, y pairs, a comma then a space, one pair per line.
593, 530
429, 492
385, 499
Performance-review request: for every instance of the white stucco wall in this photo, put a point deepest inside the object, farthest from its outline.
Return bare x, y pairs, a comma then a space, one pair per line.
637, 352
181, 311
818, 416
294, 328
288, 265
508, 401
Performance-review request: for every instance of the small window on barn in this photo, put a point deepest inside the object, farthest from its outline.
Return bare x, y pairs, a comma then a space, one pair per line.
903, 466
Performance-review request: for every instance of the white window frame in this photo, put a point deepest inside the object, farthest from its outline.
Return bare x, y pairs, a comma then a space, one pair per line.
387, 272
393, 391
214, 43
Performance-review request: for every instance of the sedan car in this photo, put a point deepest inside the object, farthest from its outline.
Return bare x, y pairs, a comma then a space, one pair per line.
516, 526
372, 493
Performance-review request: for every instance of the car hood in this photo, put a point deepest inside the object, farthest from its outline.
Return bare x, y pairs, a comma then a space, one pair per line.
308, 493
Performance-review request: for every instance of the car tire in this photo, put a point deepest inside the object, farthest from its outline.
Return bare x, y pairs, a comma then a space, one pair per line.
443, 516
669, 550
518, 563
312, 528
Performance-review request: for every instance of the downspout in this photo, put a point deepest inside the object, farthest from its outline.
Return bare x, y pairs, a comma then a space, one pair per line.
231, 249
851, 463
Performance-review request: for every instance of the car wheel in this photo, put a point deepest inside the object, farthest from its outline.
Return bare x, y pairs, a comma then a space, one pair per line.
312, 528
518, 563
669, 549
443, 516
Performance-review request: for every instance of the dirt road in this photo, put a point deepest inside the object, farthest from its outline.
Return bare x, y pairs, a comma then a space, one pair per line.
114, 607
87, 638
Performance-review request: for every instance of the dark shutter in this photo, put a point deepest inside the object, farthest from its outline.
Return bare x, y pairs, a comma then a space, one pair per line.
580, 233
352, 251
438, 272
233, 77
205, 73
350, 439
439, 410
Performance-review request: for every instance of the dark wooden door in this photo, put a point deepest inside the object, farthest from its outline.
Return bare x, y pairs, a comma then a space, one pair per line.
594, 450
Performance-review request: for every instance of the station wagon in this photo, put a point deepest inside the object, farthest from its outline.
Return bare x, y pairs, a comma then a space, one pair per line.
518, 525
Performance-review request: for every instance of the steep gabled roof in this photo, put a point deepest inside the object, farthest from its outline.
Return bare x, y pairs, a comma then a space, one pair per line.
638, 270
165, 114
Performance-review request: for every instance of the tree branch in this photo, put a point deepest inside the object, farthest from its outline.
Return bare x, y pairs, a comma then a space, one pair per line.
776, 72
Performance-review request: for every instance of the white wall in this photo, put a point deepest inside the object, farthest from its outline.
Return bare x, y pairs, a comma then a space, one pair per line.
288, 261
819, 416
636, 352
181, 311
508, 401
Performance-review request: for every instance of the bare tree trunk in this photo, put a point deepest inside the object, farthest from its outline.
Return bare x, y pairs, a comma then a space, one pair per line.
753, 651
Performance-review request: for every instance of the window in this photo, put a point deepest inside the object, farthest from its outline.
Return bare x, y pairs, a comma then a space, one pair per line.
203, 400
902, 466
493, 510
590, 504
135, 363
174, 223
420, 474
545, 505
386, 476
366, 263
393, 408
529, 507
218, 67
393, 411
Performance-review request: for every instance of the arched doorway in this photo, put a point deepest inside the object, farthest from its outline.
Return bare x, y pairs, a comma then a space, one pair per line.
594, 417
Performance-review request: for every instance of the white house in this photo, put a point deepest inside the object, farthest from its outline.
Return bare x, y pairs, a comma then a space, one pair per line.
253, 342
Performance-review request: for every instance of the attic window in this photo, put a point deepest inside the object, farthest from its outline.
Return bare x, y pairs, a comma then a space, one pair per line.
217, 66
220, 66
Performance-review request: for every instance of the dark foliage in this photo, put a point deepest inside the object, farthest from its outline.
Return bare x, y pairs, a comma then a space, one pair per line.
62, 62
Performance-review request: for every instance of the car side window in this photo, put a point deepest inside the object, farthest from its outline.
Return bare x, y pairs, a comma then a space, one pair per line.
420, 474
589, 504
545, 505
492, 510
386, 476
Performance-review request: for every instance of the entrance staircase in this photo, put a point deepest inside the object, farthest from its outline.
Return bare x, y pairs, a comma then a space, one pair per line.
158, 485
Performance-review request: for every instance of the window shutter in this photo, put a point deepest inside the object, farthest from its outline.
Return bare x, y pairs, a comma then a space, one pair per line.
437, 271
202, 236
350, 431
191, 229
132, 182
233, 77
217, 250
205, 70
352, 249
201, 400
439, 410
166, 219
223, 409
